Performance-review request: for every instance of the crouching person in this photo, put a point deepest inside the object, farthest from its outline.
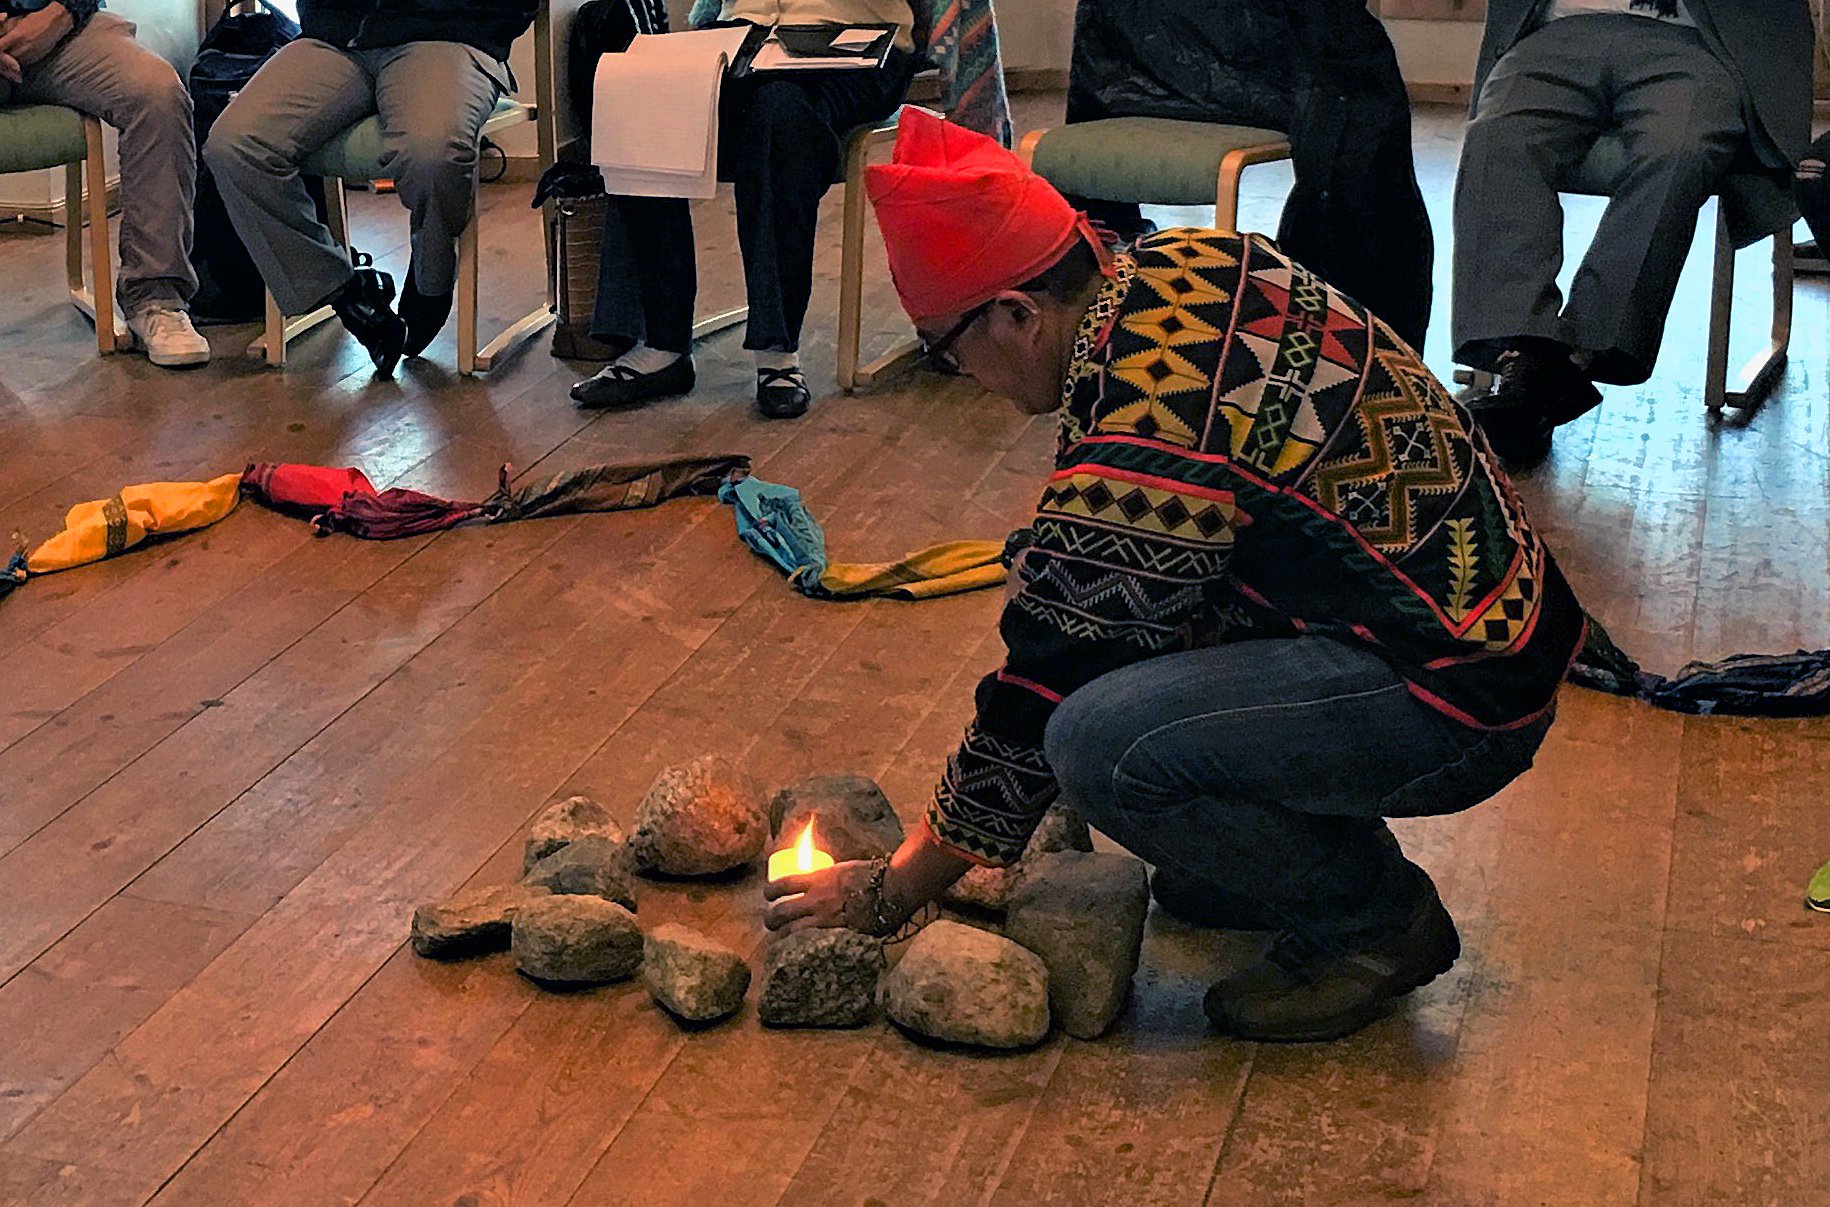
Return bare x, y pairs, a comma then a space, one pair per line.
1276, 591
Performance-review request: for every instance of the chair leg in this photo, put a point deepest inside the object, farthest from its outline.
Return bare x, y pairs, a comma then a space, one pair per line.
851, 267
1762, 373
101, 259
467, 294
274, 340
1721, 317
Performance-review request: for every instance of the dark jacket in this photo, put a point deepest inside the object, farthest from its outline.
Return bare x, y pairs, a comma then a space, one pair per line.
489, 25
1766, 44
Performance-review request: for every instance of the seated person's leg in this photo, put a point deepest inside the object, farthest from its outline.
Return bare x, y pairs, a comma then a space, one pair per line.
101, 70
1814, 203
301, 98
646, 282
1265, 769
781, 145
1679, 112
1539, 112
433, 98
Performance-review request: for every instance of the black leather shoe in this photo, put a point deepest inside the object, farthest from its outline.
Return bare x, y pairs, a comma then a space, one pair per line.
362, 304
1539, 389
782, 393
424, 314
620, 386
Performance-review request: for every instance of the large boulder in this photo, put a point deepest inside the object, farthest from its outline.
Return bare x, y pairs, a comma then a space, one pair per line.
990, 889
852, 817
1083, 913
471, 922
692, 977
699, 819
968, 986
592, 867
567, 821
820, 978
576, 940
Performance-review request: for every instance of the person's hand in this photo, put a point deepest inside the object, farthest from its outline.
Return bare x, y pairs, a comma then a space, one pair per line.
25, 40
840, 895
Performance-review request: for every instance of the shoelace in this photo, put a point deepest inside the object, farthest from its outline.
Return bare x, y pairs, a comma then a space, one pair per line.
166, 324
792, 378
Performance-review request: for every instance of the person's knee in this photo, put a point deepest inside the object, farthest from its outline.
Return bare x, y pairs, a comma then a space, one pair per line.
434, 160
1684, 156
1079, 759
236, 146
161, 96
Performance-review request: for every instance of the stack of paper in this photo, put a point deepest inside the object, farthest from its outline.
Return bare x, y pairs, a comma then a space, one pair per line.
654, 113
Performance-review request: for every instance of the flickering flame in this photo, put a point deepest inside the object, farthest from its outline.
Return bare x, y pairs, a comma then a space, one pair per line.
803, 850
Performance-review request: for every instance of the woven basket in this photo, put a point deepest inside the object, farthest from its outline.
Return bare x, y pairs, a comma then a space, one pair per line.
578, 237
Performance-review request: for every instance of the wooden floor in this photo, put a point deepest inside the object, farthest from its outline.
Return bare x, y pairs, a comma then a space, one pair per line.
231, 764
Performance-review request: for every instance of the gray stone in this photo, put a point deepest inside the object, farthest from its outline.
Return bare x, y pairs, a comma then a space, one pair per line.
576, 940
691, 976
990, 889
852, 818
567, 821
1083, 913
968, 986
469, 923
590, 867
820, 978
699, 819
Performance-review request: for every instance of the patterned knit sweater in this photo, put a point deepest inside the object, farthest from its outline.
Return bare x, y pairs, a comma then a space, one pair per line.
1246, 452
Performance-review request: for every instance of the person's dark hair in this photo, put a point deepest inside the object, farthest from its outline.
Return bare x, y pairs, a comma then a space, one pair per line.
1067, 279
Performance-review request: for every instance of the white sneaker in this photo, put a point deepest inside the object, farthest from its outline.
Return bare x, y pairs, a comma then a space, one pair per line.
166, 334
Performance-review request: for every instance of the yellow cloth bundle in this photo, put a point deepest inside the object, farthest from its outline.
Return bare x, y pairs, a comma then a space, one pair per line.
104, 527
945, 569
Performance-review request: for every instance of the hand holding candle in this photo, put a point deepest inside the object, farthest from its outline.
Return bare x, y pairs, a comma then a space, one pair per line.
800, 859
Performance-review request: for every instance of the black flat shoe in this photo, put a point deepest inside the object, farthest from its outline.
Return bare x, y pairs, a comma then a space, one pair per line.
782, 393
424, 314
363, 307
621, 386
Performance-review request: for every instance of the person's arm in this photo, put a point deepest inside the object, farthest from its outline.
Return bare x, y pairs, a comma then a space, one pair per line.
873, 896
1105, 583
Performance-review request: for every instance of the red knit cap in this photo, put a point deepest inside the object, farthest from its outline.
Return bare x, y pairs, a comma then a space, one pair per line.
963, 219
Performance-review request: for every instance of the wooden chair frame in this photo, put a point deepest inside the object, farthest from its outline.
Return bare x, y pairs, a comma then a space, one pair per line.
98, 301
1226, 186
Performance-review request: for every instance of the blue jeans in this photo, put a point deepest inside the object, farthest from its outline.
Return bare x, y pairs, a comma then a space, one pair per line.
1267, 769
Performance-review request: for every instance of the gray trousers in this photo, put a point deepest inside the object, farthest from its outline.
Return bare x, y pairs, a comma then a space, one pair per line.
433, 98
102, 71
1677, 111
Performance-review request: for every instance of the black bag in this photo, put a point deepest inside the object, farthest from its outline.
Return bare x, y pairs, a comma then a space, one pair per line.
229, 288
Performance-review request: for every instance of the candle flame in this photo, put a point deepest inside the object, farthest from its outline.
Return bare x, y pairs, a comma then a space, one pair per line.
803, 850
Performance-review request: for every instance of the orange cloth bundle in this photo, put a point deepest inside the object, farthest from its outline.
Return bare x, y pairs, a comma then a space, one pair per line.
103, 528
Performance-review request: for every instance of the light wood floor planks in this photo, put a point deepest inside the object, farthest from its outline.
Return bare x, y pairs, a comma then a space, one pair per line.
230, 764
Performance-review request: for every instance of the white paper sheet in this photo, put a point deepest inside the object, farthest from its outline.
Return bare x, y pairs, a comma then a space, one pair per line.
654, 113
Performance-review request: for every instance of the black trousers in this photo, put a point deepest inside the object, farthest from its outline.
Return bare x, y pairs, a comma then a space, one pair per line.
780, 140
1814, 191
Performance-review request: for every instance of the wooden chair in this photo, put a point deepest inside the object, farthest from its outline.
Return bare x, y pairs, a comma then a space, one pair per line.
1153, 161
33, 137
357, 155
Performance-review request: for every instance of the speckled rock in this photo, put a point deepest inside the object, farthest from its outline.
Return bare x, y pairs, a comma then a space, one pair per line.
593, 867
699, 819
691, 976
989, 889
968, 986
576, 940
469, 923
1083, 913
566, 821
820, 978
852, 817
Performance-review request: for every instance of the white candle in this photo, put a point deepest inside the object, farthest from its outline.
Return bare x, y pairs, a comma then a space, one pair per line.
799, 859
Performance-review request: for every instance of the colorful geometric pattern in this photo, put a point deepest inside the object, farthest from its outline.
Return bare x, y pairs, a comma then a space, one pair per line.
1234, 430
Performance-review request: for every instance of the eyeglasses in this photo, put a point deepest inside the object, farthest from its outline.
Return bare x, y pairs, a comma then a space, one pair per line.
940, 354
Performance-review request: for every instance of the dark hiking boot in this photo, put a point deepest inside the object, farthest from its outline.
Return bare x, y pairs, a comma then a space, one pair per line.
1298, 993
363, 306
1539, 388
424, 314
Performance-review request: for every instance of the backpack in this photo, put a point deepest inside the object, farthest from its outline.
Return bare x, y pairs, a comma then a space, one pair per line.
229, 288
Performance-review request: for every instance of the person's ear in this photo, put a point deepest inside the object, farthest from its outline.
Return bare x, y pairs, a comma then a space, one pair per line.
1019, 310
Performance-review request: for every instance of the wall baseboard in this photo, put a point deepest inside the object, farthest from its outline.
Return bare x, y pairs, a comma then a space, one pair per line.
52, 212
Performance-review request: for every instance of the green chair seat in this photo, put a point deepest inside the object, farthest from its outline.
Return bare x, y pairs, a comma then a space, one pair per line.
40, 136
359, 154
1149, 160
